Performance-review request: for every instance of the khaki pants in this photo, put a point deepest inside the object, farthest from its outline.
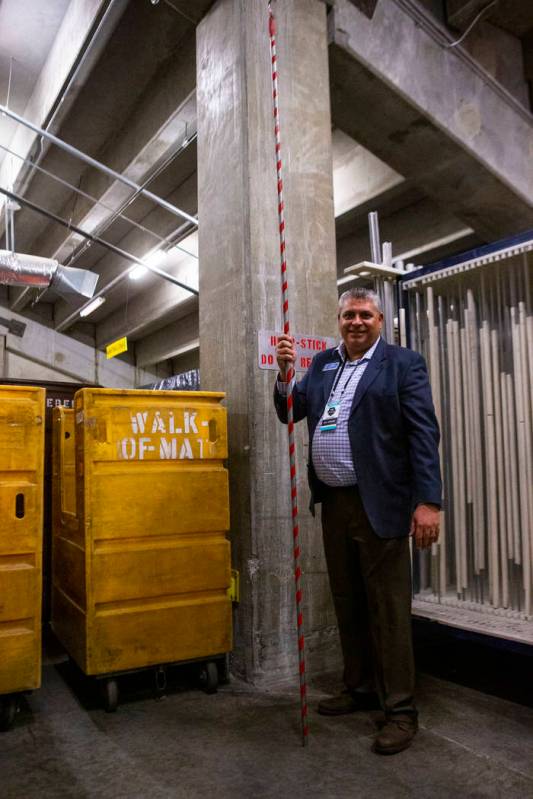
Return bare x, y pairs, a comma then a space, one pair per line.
370, 579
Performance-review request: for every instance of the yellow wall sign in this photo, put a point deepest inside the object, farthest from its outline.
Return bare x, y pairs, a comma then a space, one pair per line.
118, 346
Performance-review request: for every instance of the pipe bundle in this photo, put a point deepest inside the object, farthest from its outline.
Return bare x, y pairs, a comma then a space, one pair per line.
475, 330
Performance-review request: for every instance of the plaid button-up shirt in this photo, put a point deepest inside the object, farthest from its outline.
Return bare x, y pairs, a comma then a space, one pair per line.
330, 450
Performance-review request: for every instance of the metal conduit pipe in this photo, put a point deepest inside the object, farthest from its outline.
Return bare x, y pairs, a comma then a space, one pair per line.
98, 165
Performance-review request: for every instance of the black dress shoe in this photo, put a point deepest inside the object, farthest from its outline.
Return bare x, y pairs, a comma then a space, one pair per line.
396, 734
348, 702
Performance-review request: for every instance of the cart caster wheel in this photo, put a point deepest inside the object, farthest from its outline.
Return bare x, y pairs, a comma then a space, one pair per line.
110, 695
160, 683
209, 677
8, 711
223, 670
73, 667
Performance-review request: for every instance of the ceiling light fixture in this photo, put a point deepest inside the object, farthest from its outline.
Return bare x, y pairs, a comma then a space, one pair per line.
96, 303
137, 272
347, 279
155, 258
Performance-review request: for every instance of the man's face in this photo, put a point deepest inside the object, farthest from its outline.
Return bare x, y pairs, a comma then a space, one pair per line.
359, 325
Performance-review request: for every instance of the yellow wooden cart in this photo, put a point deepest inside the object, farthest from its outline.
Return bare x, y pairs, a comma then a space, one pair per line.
21, 511
141, 562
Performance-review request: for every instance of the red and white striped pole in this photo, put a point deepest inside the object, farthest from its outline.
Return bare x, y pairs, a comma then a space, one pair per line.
290, 381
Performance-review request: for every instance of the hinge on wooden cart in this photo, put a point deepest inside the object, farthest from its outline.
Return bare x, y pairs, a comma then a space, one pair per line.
234, 590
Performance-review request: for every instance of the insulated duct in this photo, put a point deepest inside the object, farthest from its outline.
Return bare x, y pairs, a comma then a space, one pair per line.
42, 273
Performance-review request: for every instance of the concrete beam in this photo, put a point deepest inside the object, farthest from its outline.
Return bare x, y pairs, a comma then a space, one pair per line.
174, 339
448, 126
185, 362
358, 176
65, 358
501, 55
403, 195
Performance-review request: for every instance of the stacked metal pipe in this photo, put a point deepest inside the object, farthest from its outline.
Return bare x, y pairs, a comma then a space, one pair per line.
382, 255
475, 329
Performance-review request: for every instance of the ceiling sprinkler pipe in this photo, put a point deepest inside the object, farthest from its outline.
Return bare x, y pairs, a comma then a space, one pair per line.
36, 272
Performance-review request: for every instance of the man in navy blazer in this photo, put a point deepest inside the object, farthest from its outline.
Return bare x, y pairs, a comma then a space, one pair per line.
374, 466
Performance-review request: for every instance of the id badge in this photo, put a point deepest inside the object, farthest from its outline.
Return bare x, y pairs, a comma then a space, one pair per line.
331, 414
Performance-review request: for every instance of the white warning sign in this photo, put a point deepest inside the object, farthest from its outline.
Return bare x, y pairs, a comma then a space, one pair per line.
306, 349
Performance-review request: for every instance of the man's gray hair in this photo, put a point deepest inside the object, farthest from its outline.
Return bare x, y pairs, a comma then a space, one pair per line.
361, 293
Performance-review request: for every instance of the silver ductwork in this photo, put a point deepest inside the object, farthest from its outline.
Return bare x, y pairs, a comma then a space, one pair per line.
41, 273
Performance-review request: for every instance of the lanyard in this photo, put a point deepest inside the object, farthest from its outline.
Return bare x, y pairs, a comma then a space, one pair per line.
336, 383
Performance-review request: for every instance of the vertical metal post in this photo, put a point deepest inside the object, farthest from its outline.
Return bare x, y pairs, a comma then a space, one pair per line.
388, 294
375, 243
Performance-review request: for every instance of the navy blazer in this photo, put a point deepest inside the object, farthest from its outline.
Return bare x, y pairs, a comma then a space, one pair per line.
394, 434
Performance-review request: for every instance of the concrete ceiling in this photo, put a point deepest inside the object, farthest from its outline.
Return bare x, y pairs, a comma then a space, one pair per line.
24, 22
116, 79
514, 16
133, 110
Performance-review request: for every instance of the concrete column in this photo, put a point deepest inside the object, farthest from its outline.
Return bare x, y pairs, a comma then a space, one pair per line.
240, 295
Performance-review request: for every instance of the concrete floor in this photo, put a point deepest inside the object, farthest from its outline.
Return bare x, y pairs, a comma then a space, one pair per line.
244, 742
